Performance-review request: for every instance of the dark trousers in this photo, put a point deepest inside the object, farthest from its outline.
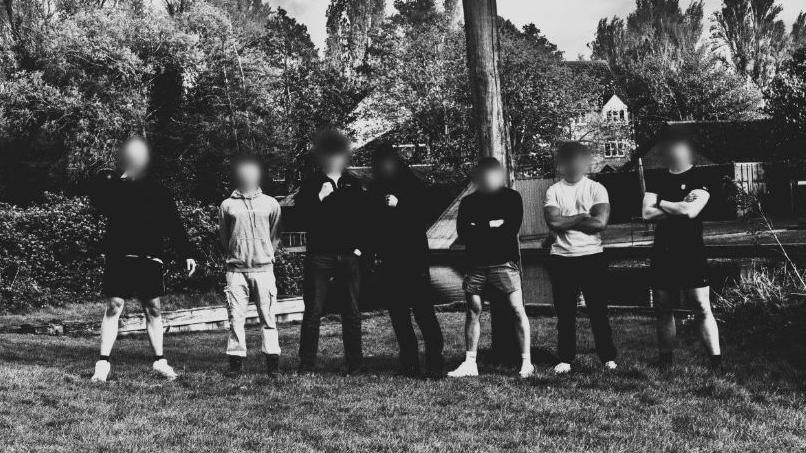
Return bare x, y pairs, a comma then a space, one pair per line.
569, 275
406, 292
321, 271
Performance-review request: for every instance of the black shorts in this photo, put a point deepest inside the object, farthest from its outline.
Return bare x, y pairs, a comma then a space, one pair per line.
128, 277
676, 272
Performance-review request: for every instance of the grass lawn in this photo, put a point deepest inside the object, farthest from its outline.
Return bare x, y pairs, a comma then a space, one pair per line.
48, 404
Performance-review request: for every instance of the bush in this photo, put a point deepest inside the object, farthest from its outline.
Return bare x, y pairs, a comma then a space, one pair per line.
765, 309
50, 254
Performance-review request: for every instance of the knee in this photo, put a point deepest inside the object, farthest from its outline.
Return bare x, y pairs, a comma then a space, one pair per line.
703, 311
152, 311
114, 307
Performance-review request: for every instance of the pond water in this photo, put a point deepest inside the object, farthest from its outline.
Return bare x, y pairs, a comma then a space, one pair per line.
629, 279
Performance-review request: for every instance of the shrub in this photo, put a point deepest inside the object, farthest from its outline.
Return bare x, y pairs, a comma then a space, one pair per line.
765, 308
50, 254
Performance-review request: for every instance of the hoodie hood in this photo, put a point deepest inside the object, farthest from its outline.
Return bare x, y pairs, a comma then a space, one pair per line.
246, 196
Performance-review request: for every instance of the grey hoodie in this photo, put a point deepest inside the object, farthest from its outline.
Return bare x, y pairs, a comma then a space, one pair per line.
250, 229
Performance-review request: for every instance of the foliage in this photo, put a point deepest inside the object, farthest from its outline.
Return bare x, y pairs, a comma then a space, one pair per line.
669, 73
50, 254
754, 37
786, 96
765, 308
202, 82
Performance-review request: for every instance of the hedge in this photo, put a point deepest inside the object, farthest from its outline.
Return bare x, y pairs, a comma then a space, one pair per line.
50, 254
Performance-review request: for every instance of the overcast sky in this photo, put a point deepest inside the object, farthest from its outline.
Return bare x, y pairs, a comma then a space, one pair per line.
568, 23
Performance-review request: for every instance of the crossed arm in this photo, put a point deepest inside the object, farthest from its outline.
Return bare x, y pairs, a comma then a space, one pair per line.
690, 207
590, 223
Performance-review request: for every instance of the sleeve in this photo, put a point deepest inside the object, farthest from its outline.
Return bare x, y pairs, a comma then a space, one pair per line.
701, 182
463, 227
102, 191
600, 195
176, 229
551, 197
308, 203
512, 224
223, 227
275, 222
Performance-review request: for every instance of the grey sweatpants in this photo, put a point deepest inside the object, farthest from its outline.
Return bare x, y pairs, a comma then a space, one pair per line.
260, 288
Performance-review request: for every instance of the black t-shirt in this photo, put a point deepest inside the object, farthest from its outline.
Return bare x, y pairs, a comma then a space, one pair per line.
679, 235
488, 224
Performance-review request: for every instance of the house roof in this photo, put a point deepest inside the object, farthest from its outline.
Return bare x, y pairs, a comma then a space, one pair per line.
717, 142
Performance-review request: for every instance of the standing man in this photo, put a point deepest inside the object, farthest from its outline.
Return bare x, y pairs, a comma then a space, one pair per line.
577, 210
488, 224
674, 202
399, 223
250, 231
141, 214
333, 207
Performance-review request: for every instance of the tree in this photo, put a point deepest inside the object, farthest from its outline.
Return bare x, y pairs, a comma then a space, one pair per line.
798, 34
753, 35
658, 55
786, 96
352, 25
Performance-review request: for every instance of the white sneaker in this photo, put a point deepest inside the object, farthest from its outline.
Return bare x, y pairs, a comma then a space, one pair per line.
527, 370
466, 369
610, 365
162, 368
562, 368
102, 368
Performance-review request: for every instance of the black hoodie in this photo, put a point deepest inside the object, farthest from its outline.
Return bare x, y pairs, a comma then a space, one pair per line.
399, 233
336, 224
141, 214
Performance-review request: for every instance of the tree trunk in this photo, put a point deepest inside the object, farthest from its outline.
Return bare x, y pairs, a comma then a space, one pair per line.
488, 116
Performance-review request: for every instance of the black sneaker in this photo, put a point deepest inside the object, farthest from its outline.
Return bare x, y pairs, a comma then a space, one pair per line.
272, 365
235, 366
435, 368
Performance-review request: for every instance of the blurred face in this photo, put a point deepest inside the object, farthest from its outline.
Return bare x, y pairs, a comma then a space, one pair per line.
490, 180
247, 176
334, 163
575, 166
386, 168
678, 154
134, 157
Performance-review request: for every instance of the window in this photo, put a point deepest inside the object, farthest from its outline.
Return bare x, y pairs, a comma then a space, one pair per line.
616, 116
615, 149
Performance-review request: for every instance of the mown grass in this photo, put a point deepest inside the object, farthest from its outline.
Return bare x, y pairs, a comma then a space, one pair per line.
47, 403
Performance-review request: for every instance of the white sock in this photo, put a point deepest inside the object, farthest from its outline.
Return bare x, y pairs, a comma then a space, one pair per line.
526, 358
470, 357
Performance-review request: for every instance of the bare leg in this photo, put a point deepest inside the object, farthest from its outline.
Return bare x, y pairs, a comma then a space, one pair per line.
151, 308
522, 328
700, 299
109, 325
472, 324
664, 309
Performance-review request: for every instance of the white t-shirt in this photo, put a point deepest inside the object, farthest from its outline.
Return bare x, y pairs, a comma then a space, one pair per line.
573, 199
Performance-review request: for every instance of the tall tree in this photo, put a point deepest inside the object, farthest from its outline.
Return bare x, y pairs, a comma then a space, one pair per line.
798, 34
753, 35
659, 56
351, 27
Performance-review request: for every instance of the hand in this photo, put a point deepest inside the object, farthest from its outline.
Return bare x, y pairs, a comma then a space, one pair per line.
190, 265
691, 197
391, 200
357, 252
326, 190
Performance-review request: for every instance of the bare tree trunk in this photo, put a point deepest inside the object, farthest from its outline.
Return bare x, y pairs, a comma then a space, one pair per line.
488, 116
